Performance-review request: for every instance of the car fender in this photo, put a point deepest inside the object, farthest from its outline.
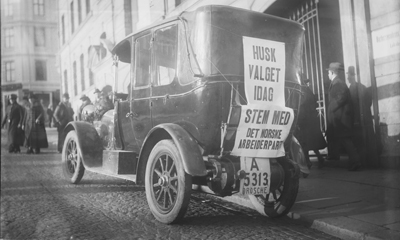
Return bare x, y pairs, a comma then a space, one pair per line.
298, 156
189, 150
89, 142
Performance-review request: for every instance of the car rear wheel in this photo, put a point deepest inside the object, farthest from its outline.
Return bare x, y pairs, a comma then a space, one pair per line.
168, 186
73, 168
278, 202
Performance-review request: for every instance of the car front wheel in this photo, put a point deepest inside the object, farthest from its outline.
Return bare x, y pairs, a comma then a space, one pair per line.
73, 168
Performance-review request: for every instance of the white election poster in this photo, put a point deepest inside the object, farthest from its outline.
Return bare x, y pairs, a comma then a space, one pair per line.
265, 122
264, 71
262, 131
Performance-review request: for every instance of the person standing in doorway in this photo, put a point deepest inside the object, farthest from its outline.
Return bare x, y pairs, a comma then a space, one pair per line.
362, 102
14, 117
62, 116
340, 119
35, 131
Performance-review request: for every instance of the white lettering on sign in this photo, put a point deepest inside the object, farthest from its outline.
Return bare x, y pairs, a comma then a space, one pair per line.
386, 41
264, 71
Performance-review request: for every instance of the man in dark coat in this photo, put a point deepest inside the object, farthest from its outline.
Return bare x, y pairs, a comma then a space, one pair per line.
35, 131
309, 131
62, 116
340, 119
14, 117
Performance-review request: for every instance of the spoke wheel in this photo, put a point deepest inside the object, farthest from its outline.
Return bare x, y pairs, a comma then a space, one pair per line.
279, 201
73, 168
168, 186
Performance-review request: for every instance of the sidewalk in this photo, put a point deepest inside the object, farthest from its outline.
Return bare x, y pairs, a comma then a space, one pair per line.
351, 205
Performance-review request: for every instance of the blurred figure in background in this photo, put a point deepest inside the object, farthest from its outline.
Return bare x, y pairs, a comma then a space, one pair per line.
35, 131
85, 102
50, 114
14, 117
309, 130
62, 116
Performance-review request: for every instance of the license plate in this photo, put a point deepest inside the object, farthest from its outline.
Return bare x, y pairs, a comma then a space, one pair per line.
258, 176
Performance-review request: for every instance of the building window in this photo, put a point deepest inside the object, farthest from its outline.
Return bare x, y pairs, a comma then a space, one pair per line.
40, 36
38, 7
8, 8
63, 29
72, 18
41, 70
10, 71
65, 81
82, 72
75, 79
9, 37
79, 12
87, 6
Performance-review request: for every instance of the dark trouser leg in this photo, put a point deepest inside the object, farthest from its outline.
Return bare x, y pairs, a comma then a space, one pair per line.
11, 148
351, 150
320, 158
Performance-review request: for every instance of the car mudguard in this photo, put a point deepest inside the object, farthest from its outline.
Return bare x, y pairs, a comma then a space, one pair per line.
192, 158
298, 156
89, 143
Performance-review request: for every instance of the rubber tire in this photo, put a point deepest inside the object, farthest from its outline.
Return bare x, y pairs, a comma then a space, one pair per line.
72, 165
184, 183
286, 200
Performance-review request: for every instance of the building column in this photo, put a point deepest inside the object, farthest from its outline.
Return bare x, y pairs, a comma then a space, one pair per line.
357, 52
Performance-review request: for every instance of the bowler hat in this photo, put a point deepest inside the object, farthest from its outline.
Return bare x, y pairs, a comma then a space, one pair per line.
84, 97
97, 91
351, 71
335, 66
13, 96
66, 95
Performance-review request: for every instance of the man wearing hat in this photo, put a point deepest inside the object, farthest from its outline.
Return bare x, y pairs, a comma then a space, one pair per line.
14, 117
62, 116
35, 131
85, 102
103, 105
97, 94
340, 119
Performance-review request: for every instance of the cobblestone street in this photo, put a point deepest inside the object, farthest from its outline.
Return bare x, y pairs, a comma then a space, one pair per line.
37, 203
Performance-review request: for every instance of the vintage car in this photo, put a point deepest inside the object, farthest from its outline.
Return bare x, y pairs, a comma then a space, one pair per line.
191, 120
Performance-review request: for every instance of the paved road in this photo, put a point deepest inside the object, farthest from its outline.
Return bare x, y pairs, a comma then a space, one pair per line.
37, 203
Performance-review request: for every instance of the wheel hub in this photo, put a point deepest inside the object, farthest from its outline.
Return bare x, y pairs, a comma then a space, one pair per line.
164, 180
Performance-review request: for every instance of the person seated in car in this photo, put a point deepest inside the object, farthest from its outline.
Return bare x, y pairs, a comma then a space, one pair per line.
85, 102
103, 104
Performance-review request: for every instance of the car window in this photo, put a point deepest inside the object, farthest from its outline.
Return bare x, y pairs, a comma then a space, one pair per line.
142, 61
165, 52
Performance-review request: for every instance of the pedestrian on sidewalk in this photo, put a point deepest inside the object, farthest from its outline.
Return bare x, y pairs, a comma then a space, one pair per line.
50, 114
35, 130
14, 117
309, 130
62, 116
340, 119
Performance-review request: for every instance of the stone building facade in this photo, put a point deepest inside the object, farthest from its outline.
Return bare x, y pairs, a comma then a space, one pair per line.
29, 45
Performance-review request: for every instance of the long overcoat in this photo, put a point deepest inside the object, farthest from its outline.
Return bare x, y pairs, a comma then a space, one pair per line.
14, 116
62, 116
309, 132
35, 133
340, 111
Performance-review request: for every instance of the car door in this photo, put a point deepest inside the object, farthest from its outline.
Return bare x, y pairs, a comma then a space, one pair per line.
140, 113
